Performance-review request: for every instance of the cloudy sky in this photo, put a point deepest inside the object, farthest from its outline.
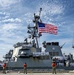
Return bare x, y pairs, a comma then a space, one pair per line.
15, 15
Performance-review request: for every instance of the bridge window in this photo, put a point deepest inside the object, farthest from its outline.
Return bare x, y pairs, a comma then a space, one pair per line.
54, 53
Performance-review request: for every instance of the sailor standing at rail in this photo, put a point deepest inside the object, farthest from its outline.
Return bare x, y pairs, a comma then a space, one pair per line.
25, 68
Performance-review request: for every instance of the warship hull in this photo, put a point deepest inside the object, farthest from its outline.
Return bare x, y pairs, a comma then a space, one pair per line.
31, 63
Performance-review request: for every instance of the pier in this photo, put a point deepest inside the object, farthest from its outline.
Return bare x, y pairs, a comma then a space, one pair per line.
38, 72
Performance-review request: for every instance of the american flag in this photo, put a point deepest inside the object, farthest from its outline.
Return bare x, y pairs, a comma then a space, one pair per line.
47, 28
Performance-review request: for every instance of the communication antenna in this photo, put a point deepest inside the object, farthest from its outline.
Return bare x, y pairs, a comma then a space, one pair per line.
40, 11
33, 31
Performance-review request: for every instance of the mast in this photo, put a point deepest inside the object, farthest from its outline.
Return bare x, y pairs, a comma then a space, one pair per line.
33, 31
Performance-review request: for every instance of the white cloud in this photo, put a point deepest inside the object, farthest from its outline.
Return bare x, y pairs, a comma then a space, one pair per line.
6, 30
5, 3
28, 18
4, 15
51, 9
12, 20
12, 30
8, 27
56, 9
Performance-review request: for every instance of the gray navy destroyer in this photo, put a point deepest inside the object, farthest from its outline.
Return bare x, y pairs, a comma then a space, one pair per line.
30, 52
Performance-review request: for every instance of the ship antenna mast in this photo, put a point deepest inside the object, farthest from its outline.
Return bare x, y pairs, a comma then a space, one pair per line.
33, 31
36, 20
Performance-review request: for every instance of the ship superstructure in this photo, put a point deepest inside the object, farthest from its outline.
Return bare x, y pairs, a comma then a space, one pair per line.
30, 52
